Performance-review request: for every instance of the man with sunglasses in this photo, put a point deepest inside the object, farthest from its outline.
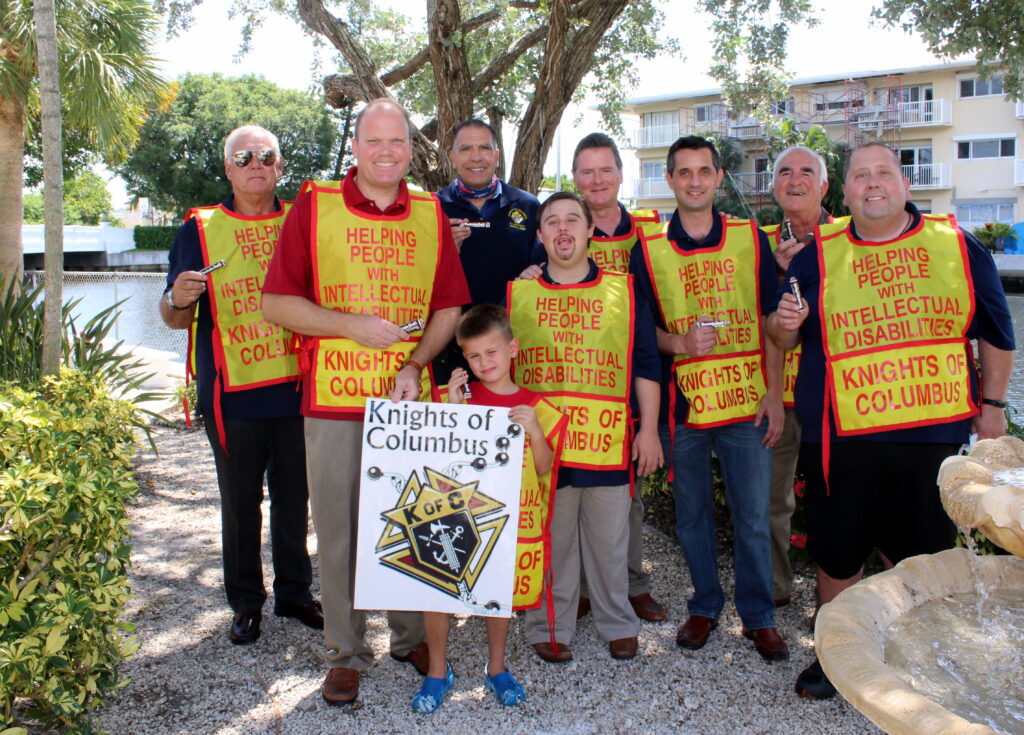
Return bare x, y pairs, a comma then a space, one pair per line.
246, 383
326, 284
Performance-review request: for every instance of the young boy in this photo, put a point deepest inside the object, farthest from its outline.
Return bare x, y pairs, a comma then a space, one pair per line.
485, 337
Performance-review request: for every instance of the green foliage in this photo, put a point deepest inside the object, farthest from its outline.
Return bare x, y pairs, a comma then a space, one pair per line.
548, 183
749, 48
989, 234
66, 452
104, 65
179, 161
86, 202
154, 237
21, 333
989, 31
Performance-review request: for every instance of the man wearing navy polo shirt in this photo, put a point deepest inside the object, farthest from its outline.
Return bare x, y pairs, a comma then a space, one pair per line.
493, 255
900, 294
253, 431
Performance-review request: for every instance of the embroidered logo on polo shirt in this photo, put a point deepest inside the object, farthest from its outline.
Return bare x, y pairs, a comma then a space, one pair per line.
517, 219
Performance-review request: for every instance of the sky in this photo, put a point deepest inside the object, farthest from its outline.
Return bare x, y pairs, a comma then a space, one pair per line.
845, 40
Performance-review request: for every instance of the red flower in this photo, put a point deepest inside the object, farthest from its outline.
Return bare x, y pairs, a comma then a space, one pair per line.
798, 488
798, 540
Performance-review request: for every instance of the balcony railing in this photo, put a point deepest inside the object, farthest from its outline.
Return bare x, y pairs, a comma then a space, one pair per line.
928, 176
747, 129
1018, 171
651, 189
925, 112
656, 136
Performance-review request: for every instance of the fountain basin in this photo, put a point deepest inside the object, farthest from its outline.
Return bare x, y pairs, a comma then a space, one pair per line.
851, 631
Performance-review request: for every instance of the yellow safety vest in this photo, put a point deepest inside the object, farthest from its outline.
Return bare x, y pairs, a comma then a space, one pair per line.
612, 253
248, 351
383, 265
576, 347
894, 319
721, 282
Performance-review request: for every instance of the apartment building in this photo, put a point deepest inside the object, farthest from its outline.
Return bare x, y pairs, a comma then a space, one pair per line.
959, 138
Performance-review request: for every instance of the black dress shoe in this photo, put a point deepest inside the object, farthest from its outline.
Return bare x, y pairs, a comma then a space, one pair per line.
310, 614
245, 628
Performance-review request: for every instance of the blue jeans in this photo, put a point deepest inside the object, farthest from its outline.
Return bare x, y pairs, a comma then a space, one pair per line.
747, 469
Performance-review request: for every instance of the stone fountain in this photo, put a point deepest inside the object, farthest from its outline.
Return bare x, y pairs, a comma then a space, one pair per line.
983, 490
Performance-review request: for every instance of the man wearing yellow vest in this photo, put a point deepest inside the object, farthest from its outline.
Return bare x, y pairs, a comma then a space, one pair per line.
587, 346
246, 383
597, 174
799, 183
357, 259
889, 304
711, 281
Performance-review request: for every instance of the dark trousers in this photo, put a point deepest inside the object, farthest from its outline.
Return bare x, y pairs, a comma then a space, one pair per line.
274, 447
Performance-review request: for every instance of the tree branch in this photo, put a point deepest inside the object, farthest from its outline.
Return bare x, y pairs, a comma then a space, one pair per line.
404, 71
38, 568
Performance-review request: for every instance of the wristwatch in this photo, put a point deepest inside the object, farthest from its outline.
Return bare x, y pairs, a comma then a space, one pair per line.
169, 298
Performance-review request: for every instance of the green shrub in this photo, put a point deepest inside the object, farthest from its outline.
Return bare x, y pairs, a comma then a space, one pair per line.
66, 454
154, 237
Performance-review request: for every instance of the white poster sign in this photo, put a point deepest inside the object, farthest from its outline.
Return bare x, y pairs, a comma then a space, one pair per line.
438, 508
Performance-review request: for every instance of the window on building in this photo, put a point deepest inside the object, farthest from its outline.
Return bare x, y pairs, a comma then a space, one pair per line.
974, 87
652, 169
658, 119
912, 94
917, 165
986, 148
710, 113
781, 107
975, 215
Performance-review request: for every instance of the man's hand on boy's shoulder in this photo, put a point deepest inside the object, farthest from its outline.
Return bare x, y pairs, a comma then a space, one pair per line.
531, 273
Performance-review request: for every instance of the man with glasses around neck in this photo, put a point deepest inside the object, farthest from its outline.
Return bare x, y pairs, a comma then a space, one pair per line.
246, 383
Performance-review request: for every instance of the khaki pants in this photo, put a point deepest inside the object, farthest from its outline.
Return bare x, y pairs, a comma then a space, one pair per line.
589, 526
639, 580
333, 453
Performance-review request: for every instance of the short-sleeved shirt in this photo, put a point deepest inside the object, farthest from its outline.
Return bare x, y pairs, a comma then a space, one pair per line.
493, 256
991, 323
291, 271
646, 365
769, 284
272, 401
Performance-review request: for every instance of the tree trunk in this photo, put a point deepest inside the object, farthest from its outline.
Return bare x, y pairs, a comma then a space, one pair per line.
496, 119
53, 181
12, 154
559, 76
448, 61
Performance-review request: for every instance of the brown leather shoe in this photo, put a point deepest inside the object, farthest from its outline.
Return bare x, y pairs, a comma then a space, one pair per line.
693, 634
623, 648
768, 643
419, 657
553, 656
647, 608
309, 613
583, 608
341, 686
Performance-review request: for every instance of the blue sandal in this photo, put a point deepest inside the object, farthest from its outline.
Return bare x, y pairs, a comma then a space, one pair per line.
505, 688
433, 691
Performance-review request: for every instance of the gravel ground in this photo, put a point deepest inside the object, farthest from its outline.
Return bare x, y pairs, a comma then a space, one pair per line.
188, 678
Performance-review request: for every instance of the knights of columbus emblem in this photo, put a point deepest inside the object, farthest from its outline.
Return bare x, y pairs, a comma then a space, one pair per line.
441, 532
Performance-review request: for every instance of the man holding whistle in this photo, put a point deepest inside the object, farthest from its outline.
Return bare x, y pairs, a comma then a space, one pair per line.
887, 359
246, 378
725, 385
333, 297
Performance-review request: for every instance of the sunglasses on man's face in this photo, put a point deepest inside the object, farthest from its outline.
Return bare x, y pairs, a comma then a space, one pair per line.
267, 156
